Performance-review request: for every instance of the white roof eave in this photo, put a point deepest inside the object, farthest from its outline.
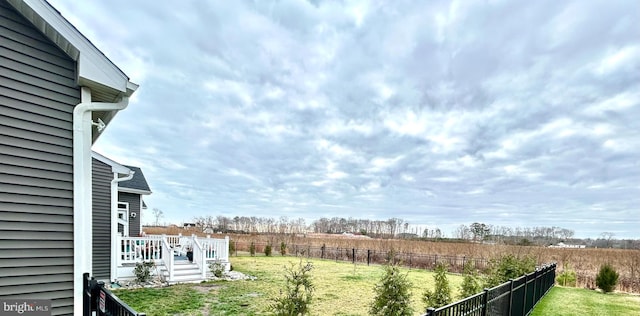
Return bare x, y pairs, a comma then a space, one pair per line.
115, 167
94, 68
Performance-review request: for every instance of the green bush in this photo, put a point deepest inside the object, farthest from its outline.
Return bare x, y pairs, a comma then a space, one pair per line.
296, 297
607, 278
267, 250
392, 296
283, 248
441, 294
567, 278
252, 249
471, 283
142, 271
216, 268
508, 267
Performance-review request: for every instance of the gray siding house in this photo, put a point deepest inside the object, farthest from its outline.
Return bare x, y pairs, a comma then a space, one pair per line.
117, 205
130, 194
55, 85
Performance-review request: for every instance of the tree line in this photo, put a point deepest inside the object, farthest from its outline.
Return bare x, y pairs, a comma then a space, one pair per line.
401, 228
389, 228
480, 232
251, 224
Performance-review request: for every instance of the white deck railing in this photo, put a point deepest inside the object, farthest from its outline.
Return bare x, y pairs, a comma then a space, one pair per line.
215, 249
198, 257
137, 249
163, 248
168, 260
173, 240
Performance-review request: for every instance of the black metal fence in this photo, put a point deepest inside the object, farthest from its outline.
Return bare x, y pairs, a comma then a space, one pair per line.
98, 299
513, 298
368, 256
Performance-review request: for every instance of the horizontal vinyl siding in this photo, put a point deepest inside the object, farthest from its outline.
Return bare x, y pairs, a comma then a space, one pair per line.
37, 96
101, 188
134, 207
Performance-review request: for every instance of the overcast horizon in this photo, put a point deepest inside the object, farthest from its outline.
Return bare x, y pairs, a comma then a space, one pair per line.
441, 113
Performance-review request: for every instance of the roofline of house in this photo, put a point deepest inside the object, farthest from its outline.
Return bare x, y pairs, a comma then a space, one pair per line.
94, 68
135, 191
115, 167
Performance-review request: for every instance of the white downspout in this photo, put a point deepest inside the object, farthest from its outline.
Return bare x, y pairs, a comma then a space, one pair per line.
115, 250
82, 210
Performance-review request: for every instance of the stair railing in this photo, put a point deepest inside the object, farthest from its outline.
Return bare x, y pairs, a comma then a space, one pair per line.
198, 256
167, 256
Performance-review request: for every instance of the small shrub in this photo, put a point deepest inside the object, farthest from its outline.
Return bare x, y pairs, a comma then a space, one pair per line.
216, 268
267, 250
296, 297
392, 296
142, 271
508, 267
441, 294
283, 248
252, 249
567, 278
471, 283
607, 278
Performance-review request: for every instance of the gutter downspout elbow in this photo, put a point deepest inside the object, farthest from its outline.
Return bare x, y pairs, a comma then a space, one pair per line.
82, 199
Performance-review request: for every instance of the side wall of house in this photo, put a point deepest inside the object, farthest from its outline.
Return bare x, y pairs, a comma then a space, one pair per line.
134, 208
38, 93
101, 189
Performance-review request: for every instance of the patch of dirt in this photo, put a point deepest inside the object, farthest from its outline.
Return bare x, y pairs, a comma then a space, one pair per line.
206, 288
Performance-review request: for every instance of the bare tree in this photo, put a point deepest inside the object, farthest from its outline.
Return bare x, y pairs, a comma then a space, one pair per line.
462, 232
157, 214
608, 236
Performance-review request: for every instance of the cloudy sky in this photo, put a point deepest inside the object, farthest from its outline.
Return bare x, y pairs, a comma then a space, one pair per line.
516, 113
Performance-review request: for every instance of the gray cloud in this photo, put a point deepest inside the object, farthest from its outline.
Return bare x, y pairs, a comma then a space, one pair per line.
442, 113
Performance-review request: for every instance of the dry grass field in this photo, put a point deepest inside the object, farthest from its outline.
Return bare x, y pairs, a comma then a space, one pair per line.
585, 262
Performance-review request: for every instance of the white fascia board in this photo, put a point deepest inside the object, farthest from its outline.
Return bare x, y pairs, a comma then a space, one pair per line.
115, 167
93, 66
134, 191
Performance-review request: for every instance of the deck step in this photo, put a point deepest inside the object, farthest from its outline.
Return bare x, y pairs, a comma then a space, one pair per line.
184, 271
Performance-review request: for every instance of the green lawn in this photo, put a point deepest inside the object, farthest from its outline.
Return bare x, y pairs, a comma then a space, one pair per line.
565, 301
341, 289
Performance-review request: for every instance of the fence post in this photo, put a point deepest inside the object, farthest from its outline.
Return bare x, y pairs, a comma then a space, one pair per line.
86, 295
535, 287
236, 247
524, 295
353, 255
322, 251
368, 256
464, 261
485, 301
430, 311
553, 274
410, 261
510, 295
552, 277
